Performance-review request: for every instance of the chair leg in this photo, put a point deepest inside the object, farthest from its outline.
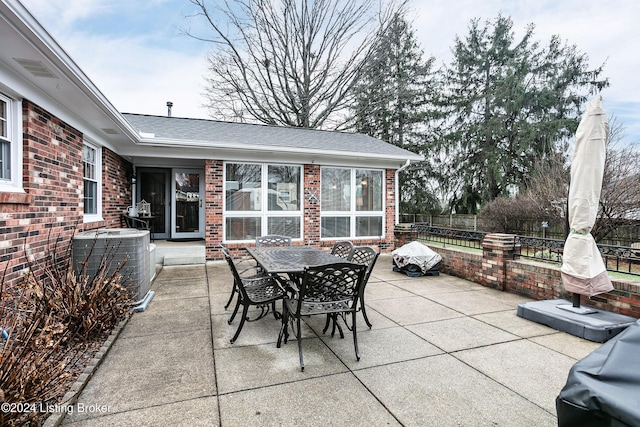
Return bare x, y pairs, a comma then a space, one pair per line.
337, 325
299, 337
284, 328
326, 324
235, 310
245, 309
355, 336
276, 314
233, 292
364, 312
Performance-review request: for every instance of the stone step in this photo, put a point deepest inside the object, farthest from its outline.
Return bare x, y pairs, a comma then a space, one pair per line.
184, 259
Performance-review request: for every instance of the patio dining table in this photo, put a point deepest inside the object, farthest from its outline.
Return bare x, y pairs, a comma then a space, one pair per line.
290, 259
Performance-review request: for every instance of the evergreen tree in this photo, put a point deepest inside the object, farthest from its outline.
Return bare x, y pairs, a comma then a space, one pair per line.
392, 101
507, 104
392, 95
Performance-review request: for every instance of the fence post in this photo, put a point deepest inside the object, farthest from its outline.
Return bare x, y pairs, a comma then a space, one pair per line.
404, 233
497, 249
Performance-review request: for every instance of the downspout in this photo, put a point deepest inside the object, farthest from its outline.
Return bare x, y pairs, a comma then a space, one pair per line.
403, 167
134, 184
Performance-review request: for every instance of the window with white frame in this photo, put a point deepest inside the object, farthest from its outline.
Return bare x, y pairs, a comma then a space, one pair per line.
262, 199
91, 159
352, 202
10, 145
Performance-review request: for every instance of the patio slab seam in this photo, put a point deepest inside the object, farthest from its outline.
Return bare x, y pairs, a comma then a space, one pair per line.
491, 378
213, 349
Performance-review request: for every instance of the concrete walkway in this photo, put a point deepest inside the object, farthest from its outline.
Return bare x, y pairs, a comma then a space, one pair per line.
442, 352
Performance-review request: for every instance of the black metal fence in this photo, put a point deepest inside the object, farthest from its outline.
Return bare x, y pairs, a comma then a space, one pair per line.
538, 248
450, 236
620, 259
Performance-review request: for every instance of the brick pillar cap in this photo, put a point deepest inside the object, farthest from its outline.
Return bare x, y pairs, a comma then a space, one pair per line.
404, 226
499, 240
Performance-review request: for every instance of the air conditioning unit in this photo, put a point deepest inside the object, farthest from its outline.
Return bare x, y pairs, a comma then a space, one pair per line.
128, 244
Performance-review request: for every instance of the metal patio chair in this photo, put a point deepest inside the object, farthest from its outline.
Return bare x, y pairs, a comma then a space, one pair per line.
273, 240
261, 291
342, 249
330, 289
246, 269
367, 256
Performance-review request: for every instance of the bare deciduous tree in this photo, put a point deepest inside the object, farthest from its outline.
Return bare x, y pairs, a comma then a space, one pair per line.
288, 62
545, 195
620, 196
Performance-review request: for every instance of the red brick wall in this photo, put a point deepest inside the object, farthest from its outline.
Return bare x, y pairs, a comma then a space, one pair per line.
387, 244
116, 187
466, 265
534, 280
544, 282
539, 282
52, 209
311, 214
214, 192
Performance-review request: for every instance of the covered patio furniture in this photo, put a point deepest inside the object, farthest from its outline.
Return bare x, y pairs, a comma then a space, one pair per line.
273, 240
342, 249
329, 289
602, 389
260, 291
415, 259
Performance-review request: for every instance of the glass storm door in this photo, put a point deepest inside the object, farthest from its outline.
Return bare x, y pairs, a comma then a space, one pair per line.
188, 201
153, 187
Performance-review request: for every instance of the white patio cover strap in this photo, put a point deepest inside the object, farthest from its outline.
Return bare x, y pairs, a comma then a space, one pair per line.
583, 270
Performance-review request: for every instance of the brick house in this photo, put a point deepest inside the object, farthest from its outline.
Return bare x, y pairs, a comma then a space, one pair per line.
69, 161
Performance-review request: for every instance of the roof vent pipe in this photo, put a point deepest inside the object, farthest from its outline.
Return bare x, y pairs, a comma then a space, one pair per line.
169, 105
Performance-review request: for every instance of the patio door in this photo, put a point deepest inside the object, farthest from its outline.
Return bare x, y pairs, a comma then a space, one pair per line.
153, 187
187, 219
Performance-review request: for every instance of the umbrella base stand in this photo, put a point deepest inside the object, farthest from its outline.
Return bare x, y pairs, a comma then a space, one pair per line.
575, 306
599, 326
578, 310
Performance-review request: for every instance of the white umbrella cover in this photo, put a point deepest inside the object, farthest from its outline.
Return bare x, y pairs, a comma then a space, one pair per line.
583, 271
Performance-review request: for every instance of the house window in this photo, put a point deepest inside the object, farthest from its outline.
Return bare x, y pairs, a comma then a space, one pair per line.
92, 173
262, 199
351, 203
10, 145
5, 141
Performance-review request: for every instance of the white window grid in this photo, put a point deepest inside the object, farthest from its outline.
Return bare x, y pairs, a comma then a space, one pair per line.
11, 145
92, 173
353, 214
264, 214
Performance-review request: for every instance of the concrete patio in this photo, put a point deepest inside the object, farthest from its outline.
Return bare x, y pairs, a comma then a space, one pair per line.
442, 352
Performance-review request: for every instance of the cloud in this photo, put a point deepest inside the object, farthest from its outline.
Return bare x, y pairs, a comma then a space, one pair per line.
607, 32
69, 12
137, 63
136, 55
138, 78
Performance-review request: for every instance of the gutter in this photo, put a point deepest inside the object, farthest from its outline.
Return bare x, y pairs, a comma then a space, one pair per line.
28, 27
397, 190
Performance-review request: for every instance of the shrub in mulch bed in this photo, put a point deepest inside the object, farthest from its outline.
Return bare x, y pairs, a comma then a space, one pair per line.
52, 323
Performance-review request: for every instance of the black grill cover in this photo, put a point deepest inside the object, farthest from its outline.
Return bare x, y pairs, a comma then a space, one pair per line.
603, 389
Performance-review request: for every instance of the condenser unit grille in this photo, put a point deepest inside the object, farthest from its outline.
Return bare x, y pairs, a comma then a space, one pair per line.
127, 245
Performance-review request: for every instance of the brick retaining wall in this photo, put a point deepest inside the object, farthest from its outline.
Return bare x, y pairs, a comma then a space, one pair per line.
496, 268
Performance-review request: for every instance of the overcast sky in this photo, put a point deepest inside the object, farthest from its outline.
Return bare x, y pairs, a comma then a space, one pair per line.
136, 54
